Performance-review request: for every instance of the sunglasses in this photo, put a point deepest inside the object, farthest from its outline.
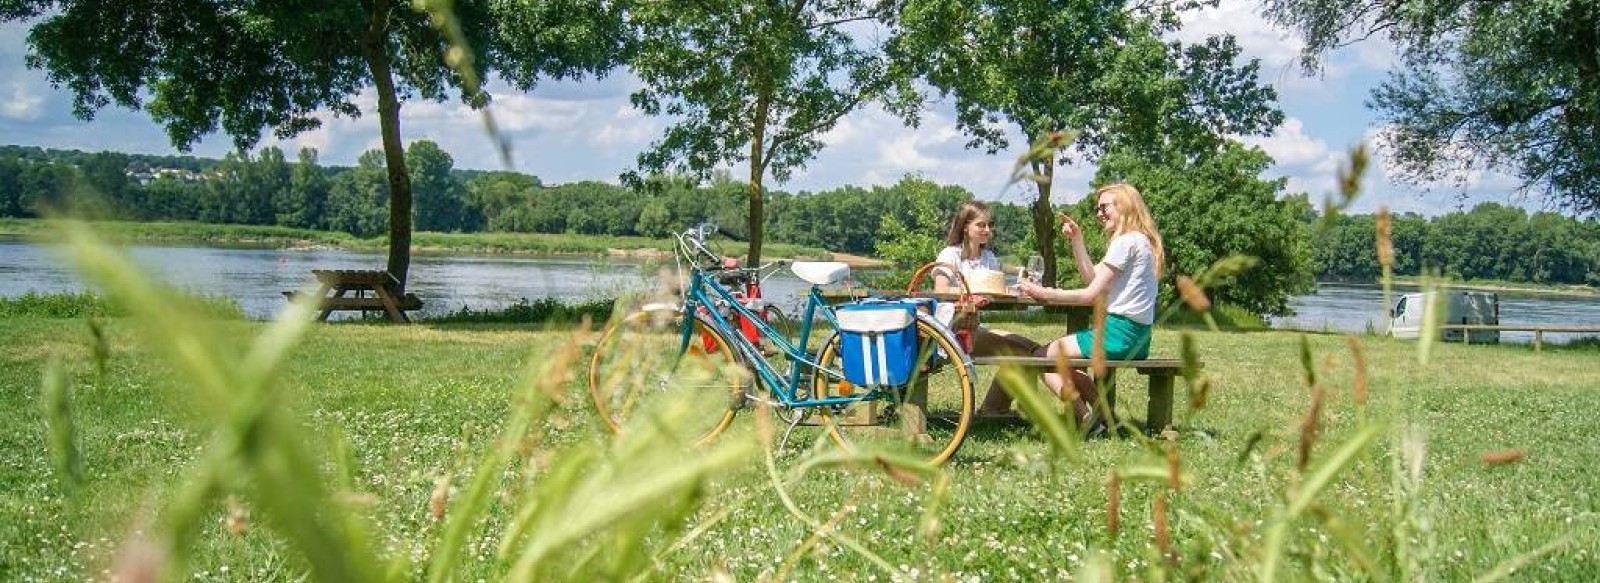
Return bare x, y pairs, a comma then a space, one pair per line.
1102, 207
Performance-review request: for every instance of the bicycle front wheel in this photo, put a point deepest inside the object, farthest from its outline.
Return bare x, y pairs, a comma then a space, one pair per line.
638, 373
927, 419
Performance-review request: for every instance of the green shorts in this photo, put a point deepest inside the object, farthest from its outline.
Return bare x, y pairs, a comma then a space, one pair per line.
1125, 339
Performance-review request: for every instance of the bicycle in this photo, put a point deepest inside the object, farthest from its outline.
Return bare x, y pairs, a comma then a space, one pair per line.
745, 284
690, 354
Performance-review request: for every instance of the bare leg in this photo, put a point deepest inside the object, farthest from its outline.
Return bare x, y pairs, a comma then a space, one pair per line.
1081, 382
987, 342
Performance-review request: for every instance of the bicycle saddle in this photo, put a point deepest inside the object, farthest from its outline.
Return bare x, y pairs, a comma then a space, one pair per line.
820, 272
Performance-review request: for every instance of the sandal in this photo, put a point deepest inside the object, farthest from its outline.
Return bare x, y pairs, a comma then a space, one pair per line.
1090, 424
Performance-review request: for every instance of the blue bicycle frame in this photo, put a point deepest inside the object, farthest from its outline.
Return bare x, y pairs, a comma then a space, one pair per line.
698, 301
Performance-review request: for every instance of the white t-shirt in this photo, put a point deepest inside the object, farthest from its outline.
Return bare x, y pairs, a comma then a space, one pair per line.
1133, 291
952, 255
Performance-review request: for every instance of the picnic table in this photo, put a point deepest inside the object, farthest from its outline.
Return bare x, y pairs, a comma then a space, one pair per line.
1077, 317
365, 290
1160, 371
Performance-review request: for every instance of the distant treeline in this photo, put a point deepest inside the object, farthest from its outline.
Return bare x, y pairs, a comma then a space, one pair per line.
268, 189
1489, 242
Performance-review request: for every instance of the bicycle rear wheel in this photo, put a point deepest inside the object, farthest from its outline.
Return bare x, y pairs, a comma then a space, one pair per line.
779, 321
927, 419
638, 373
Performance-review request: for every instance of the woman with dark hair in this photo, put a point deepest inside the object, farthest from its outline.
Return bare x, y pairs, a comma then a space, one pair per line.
968, 250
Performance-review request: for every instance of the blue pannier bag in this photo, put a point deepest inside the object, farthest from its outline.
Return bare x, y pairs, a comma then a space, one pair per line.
878, 344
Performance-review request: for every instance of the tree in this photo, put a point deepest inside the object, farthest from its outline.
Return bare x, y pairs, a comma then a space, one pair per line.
248, 66
1100, 69
1481, 84
438, 193
1346, 250
911, 239
1217, 206
492, 193
356, 199
106, 175
171, 199
244, 189
10, 187
754, 82
302, 207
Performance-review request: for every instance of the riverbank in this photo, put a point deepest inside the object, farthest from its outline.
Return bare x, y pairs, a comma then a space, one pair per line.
1416, 284
272, 237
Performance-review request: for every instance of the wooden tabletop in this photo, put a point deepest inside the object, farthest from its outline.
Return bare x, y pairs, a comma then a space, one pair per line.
995, 300
353, 277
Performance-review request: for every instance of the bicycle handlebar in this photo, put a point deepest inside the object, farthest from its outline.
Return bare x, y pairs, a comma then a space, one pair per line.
692, 245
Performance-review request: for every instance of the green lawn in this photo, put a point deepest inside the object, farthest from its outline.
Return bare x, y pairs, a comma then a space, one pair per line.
421, 402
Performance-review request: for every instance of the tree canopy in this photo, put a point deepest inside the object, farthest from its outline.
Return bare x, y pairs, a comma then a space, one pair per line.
1501, 85
247, 66
1097, 68
1217, 206
755, 82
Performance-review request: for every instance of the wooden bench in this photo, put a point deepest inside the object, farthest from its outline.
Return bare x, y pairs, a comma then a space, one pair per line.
1158, 414
368, 291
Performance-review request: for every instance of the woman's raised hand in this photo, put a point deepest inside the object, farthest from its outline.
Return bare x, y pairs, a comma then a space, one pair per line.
1070, 228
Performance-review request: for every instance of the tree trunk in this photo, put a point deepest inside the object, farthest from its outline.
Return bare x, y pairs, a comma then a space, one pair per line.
375, 44
758, 167
1044, 220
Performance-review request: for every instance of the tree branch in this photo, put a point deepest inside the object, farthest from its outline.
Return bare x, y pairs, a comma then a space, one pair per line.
783, 138
838, 22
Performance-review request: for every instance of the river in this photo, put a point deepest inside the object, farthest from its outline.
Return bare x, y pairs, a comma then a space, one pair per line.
256, 278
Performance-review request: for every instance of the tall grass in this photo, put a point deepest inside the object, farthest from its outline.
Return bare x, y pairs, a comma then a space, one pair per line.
541, 311
90, 305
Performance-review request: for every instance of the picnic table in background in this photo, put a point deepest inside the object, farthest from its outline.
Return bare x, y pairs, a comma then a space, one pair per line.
365, 290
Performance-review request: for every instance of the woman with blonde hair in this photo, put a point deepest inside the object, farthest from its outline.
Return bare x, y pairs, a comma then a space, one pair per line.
1127, 277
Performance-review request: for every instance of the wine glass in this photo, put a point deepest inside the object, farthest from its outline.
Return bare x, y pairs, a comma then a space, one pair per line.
1035, 268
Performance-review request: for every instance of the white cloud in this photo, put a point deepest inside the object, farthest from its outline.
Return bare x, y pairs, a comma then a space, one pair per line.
847, 130
1290, 145
23, 103
523, 113
627, 130
873, 147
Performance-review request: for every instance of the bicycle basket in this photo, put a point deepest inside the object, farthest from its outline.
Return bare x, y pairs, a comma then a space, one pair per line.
961, 315
878, 341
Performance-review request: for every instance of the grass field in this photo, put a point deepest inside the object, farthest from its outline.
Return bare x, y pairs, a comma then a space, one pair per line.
400, 422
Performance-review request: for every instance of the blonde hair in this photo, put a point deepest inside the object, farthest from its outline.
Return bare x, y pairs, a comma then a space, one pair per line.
968, 211
1133, 217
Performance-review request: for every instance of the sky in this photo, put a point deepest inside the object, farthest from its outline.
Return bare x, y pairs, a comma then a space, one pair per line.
570, 131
